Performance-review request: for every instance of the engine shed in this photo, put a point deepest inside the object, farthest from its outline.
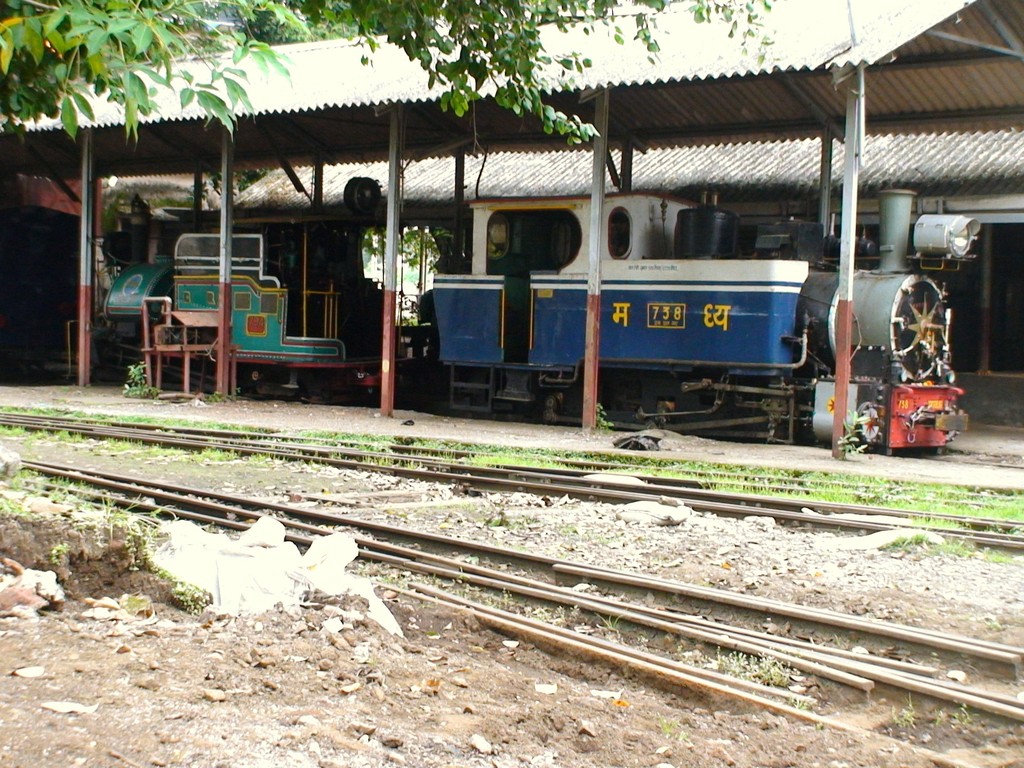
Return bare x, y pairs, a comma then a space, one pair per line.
901, 52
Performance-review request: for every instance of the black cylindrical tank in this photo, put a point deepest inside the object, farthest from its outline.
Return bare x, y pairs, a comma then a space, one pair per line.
903, 315
706, 232
815, 307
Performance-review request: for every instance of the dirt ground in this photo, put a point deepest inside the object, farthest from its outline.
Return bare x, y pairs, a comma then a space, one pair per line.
323, 686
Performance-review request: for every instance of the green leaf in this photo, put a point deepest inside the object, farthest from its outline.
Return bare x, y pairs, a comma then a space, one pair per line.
83, 104
142, 37
32, 39
6, 54
69, 116
54, 19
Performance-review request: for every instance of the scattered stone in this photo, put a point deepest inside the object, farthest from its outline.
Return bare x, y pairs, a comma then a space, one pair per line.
20, 602
29, 672
613, 479
957, 675
10, 463
586, 728
40, 505
364, 729
882, 539
480, 744
214, 694
652, 513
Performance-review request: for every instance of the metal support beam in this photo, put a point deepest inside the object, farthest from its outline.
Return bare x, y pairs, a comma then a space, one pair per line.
284, 163
613, 172
1016, 54
197, 198
985, 302
797, 91
227, 214
592, 346
454, 260
627, 167
52, 174
318, 183
848, 242
85, 259
391, 241
998, 22
825, 180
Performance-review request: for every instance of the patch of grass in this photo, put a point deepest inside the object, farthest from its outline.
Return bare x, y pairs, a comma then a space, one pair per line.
953, 548
11, 508
759, 669
905, 543
135, 383
13, 432
58, 554
963, 716
138, 532
905, 717
211, 456
996, 556
672, 729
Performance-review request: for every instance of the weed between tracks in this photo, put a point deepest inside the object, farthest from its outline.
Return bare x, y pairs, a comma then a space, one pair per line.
794, 484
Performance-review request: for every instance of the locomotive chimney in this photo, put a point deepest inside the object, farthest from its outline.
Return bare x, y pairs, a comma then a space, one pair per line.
894, 228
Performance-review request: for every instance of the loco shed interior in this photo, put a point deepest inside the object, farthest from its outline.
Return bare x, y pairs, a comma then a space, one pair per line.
790, 107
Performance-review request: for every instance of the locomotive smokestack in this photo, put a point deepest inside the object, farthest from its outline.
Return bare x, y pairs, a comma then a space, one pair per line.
894, 228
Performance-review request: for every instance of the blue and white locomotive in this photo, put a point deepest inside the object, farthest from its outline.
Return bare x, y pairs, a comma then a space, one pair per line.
693, 336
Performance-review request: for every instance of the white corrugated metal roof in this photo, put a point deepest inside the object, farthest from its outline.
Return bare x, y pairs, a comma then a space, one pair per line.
805, 35
954, 165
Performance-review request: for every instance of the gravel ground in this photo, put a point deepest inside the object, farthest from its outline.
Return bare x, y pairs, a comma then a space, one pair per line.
282, 689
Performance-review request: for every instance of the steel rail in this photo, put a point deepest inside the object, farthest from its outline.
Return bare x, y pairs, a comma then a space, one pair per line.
230, 504
576, 484
574, 467
819, 663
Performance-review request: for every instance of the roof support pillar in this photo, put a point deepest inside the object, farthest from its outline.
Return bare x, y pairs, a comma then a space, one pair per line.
985, 302
197, 198
825, 179
848, 243
455, 258
592, 345
227, 224
391, 241
85, 259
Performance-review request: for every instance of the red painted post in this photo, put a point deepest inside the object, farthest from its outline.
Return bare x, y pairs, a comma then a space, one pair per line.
590, 360
85, 261
592, 344
847, 254
387, 358
227, 204
391, 256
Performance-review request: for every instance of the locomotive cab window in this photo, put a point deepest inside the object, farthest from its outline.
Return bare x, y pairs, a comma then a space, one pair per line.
520, 242
619, 233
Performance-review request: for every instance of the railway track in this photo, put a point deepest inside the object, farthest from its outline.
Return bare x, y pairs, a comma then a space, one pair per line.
434, 465
684, 612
